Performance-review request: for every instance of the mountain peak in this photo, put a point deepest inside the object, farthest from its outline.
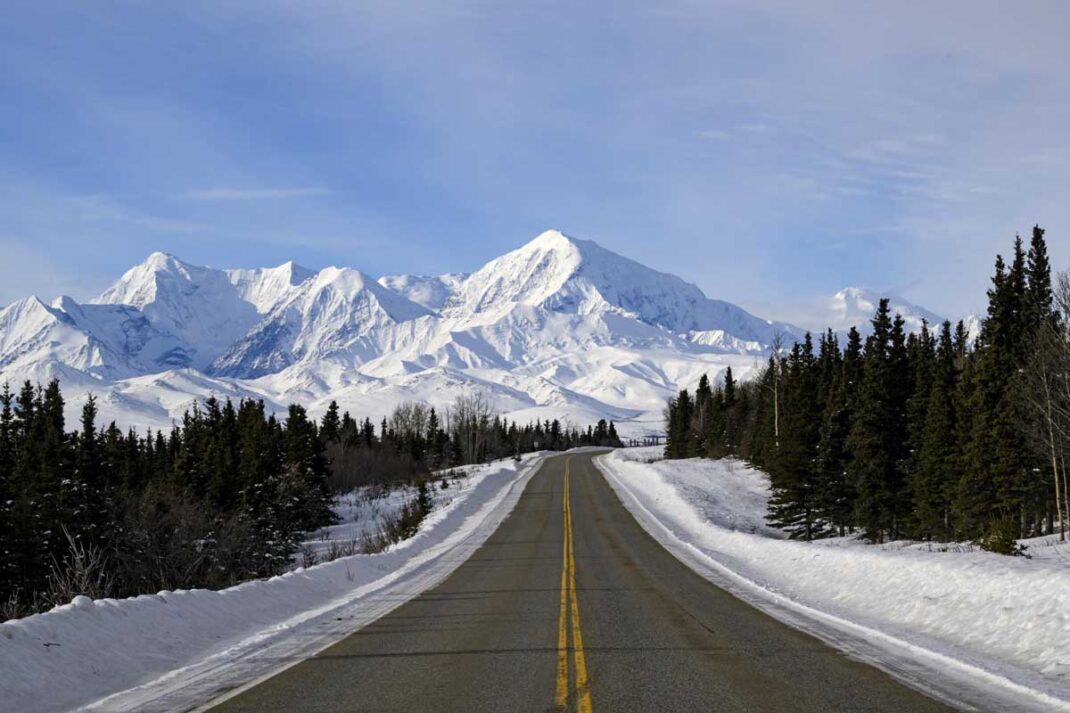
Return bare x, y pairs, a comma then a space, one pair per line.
161, 262
551, 239
854, 293
529, 275
557, 248
346, 280
160, 258
855, 307
297, 273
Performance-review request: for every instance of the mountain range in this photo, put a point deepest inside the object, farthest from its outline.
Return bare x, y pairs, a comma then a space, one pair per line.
558, 328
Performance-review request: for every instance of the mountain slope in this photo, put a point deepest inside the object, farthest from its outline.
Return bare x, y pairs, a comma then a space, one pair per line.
429, 292
103, 341
265, 288
566, 275
200, 306
339, 310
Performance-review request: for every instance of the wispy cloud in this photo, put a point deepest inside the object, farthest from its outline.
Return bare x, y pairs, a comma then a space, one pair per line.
254, 194
109, 209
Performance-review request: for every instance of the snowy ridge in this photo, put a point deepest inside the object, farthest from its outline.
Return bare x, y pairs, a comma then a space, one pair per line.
338, 310
266, 287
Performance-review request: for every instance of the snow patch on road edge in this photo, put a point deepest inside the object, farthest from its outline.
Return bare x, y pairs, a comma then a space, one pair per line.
177, 650
938, 673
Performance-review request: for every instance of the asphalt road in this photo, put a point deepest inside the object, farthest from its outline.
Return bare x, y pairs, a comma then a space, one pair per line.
570, 605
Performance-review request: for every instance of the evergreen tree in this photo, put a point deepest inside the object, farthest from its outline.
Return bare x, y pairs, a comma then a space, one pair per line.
995, 471
873, 464
331, 425
834, 495
1039, 294
792, 505
679, 443
701, 412
729, 402
934, 475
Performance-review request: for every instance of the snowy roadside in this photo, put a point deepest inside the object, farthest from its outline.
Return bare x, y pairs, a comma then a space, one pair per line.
364, 513
175, 650
969, 626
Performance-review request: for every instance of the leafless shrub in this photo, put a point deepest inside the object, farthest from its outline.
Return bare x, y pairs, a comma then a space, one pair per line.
354, 467
83, 570
308, 556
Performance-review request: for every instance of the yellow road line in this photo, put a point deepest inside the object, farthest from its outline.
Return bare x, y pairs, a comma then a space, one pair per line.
583, 688
561, 698
568, 594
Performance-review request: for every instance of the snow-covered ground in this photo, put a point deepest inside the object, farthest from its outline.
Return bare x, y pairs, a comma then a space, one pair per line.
173, 650
363, 513
968, 625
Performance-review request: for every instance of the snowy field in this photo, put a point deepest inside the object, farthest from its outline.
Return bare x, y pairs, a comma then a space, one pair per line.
173, 650
984, 628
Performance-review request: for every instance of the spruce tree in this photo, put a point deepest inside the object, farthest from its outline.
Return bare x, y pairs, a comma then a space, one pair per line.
331, 424
792, 504
701, 413
994, 470
728, 405
921, 355
934, 474
679, 411
1039, 294
873, 464
834, 495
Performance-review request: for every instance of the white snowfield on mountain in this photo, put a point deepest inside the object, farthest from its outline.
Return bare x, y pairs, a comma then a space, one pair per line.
558, 328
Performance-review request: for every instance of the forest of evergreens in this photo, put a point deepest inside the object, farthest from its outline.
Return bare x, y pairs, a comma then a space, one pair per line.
922, 435
226, 495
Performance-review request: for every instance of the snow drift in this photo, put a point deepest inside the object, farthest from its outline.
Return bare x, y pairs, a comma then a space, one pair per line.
970, 620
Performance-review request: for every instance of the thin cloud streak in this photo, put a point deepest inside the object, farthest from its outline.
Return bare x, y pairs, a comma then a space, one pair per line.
254, 194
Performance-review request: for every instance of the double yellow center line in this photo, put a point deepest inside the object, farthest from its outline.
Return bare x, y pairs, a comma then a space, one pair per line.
570, 605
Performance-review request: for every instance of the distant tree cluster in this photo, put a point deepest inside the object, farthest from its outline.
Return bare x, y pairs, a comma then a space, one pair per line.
919, 435
225, 496
416, 439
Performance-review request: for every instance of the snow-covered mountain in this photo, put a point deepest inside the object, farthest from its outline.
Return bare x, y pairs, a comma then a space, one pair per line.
556, 328
855, 307
337, 311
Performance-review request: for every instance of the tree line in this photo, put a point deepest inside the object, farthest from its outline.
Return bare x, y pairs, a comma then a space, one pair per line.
226, 495
899, 435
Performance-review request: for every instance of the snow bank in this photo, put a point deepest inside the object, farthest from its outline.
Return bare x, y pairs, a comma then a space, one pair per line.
973, 624
173, 650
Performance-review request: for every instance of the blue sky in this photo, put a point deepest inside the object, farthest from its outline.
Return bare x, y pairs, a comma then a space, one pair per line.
769, 152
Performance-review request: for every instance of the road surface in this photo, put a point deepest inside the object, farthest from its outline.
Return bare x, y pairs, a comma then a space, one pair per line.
570, 605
